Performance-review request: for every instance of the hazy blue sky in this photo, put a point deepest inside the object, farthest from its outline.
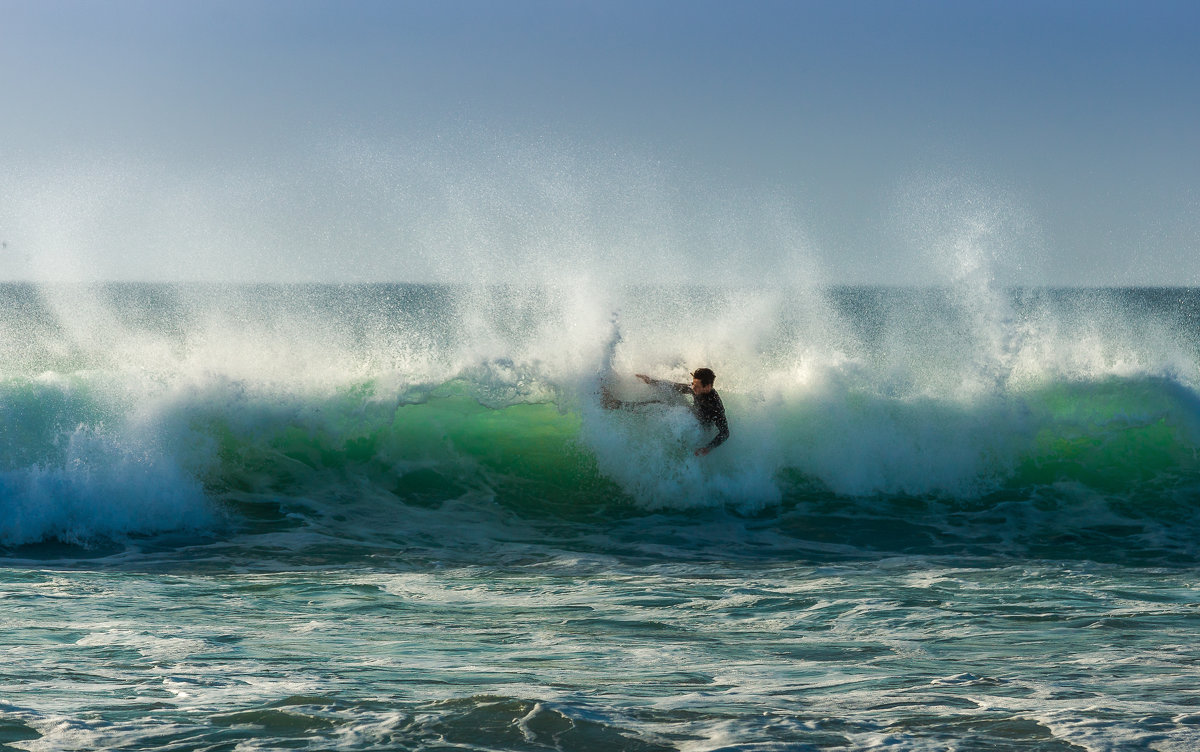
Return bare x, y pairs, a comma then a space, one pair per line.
878, 141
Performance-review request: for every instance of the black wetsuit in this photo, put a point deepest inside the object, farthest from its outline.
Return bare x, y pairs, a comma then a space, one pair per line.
708, 409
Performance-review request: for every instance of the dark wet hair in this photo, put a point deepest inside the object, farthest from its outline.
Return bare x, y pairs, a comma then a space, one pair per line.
706, 376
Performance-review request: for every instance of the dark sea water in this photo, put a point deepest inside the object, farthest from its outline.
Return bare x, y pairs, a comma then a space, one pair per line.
397, 517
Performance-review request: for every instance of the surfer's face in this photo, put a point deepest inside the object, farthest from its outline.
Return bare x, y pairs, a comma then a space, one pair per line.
698, 388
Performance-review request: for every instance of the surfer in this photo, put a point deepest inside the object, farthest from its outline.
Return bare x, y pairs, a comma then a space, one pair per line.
706, 404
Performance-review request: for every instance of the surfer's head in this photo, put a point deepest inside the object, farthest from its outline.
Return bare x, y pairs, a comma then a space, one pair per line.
705, 375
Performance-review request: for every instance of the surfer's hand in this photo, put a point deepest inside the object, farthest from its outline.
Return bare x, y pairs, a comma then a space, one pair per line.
701, 451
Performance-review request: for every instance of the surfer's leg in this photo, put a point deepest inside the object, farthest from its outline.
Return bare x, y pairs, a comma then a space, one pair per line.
609, 402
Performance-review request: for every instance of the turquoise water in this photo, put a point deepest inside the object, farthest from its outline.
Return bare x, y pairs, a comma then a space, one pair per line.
396, 517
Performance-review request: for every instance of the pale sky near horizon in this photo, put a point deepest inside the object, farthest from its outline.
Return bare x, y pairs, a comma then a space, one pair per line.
885, 142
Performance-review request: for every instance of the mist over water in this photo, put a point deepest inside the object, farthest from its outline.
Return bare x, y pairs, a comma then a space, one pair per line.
539, 273
469, 208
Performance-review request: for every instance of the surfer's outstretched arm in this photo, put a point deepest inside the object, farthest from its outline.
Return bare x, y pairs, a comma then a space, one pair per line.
681, 388
609, 402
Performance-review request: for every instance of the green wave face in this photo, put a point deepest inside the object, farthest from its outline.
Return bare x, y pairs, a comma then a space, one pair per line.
1118, 438
1114, 436
524, 456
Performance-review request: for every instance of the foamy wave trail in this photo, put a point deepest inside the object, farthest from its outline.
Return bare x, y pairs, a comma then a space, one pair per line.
294, 418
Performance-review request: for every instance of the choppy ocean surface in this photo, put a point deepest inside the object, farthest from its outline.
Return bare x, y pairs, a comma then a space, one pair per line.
398, 518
